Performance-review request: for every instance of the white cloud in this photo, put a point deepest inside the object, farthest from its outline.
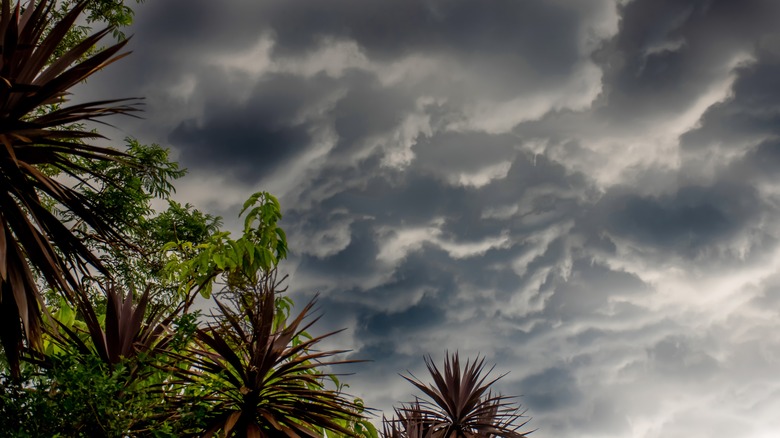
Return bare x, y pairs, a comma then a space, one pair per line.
484, 176
577, 93
255, 61
396, 243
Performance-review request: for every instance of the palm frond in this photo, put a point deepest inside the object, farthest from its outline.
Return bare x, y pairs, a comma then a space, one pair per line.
128, 330
266, 381
39, 130
459, 404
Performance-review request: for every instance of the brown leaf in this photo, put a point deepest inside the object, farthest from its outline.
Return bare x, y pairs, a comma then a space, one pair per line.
32, 238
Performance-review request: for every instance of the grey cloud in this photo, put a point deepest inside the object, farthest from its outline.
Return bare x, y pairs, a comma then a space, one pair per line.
674, 356
573, 299
410, 200
468, 151
418, 199
199, 27
747, 116
587, 291
668, 53
489, 46
254, 137
562, 196
551, 389
763, 161
357, 259
685, 221
768, 295
543, 31
366, 110
402, 326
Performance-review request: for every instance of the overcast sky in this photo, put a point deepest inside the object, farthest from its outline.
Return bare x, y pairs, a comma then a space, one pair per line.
583, 191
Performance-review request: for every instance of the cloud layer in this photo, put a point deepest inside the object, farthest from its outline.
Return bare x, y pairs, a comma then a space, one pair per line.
584, 192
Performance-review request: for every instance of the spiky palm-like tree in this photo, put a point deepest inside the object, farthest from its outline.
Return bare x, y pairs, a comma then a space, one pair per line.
460, 405
129, 328
41, 135
262, 375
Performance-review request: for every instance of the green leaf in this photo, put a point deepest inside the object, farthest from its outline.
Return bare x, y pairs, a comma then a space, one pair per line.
169, 246
370, 429
206, 289
219, 259
65, 315
251, 201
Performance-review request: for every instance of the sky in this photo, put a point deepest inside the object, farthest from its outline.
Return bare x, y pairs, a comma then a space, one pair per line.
583, 192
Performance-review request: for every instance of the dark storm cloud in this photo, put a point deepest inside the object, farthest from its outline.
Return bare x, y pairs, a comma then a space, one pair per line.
173, 38
426, 282
588, 291
668, 52
760, 163
401, 325
749, 111
420, 283
549, 390
686, 221
367, 109
356, 259
409, 200
463, 151
514, 31
419, 198
187, 28
491, 45
572, 250
747, 122
252, 138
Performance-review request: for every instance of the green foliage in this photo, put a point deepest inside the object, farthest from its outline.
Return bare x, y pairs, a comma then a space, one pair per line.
359, 426
114, 14
75, 397
240, 262
124, 189
179, 224
92, 383
153, 364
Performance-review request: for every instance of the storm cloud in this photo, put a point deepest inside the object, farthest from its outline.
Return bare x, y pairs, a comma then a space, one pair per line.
584, 192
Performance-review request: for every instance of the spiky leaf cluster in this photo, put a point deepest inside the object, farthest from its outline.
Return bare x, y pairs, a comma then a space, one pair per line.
459, 404
41, 135
262, 378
